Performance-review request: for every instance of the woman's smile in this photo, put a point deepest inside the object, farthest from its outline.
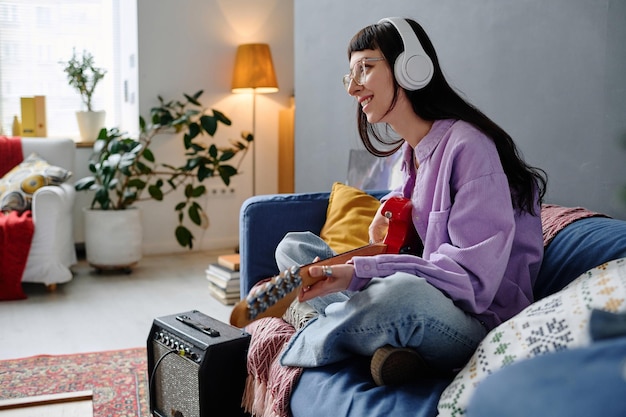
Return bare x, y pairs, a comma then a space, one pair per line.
365, 101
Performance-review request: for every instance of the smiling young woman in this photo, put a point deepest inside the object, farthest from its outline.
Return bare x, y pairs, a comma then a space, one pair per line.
475, 206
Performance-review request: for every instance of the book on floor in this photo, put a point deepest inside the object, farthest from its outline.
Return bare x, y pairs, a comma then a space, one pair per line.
223, 271
229, 285
230, 261
222, 296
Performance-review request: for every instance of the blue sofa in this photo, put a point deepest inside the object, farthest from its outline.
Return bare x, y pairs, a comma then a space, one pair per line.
346, 389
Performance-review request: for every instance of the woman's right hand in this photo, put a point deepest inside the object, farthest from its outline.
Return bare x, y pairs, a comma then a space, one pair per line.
335, 278
378, 227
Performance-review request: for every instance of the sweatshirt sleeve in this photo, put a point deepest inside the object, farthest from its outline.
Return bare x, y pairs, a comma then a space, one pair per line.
466, 248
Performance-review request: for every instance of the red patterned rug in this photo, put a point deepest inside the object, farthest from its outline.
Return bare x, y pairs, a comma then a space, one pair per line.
117, 378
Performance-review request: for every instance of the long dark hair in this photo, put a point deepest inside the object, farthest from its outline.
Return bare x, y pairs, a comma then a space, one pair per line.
439, 101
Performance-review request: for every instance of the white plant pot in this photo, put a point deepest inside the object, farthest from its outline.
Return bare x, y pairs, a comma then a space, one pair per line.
113, 238
90, 123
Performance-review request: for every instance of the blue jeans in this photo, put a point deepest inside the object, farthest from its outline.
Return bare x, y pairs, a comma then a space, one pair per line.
401, 310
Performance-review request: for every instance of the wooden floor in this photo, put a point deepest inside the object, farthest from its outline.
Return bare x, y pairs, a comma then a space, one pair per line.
107, 311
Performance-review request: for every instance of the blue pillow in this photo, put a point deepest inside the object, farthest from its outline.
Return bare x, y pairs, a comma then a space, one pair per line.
579, 247
578, 382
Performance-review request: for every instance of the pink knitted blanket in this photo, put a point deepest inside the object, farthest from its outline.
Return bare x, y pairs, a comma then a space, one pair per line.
554, 218
269, 384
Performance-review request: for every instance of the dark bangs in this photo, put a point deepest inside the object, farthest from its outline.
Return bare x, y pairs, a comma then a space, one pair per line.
377, 36
364, 39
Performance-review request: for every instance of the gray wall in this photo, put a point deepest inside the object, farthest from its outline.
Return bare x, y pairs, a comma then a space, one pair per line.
551, 72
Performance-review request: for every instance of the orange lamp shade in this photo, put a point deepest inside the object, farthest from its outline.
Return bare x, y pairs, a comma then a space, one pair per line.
254, 69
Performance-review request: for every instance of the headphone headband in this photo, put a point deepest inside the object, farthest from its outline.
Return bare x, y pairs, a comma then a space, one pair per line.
413, 67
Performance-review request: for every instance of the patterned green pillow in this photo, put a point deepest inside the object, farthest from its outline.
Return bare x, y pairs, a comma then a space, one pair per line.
18, 185
554, 323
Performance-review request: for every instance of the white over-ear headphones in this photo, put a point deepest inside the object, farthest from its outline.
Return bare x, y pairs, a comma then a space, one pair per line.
413, 67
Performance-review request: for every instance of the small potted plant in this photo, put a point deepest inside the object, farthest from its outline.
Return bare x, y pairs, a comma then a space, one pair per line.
124, 171
84, 76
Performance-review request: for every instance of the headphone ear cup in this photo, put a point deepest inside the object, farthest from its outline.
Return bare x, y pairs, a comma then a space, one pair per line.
413, 68
413, 73
400, 71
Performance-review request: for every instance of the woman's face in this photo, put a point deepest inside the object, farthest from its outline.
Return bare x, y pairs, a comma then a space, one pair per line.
375, 95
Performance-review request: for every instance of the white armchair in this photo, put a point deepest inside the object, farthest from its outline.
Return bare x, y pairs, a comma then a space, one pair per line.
52, 249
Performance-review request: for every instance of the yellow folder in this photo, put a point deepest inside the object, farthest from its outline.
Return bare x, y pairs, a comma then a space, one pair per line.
34, 123
28, 116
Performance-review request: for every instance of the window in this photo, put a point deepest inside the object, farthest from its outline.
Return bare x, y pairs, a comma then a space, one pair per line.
36, 36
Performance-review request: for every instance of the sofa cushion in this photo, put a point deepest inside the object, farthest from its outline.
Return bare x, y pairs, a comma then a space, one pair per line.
577, 248
348, 216
555, 323
19, 184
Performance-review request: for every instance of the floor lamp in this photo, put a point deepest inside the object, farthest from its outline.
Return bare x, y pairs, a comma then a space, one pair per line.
254, 73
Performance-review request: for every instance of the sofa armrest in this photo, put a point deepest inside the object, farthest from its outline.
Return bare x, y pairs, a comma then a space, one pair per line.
52, 200
52, 249
263, 222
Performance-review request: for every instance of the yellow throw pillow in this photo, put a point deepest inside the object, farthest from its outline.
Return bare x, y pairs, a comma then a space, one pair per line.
349, 214
18, 185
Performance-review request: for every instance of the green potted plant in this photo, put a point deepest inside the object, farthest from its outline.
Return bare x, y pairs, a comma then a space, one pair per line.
84, 76
124, 170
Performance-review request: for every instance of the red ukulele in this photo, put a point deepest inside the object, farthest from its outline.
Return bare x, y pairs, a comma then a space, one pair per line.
272, 296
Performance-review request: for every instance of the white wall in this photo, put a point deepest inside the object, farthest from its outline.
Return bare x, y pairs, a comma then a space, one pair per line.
552, 73
190, 45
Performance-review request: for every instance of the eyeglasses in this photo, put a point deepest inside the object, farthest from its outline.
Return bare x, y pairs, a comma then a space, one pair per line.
358, 73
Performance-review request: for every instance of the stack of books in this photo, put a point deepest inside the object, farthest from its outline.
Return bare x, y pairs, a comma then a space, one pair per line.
223, 277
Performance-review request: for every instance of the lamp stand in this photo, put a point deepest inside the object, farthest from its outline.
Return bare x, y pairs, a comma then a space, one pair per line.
254, 141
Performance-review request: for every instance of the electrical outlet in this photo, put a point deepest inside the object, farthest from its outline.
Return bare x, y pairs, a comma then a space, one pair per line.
221, 191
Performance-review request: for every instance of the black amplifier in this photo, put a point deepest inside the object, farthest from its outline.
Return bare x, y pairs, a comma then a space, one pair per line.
196, 366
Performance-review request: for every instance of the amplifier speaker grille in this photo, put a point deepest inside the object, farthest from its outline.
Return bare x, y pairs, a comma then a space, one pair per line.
176, 383
196, 366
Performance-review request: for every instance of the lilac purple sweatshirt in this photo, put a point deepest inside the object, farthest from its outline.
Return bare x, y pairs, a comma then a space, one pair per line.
478, 250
